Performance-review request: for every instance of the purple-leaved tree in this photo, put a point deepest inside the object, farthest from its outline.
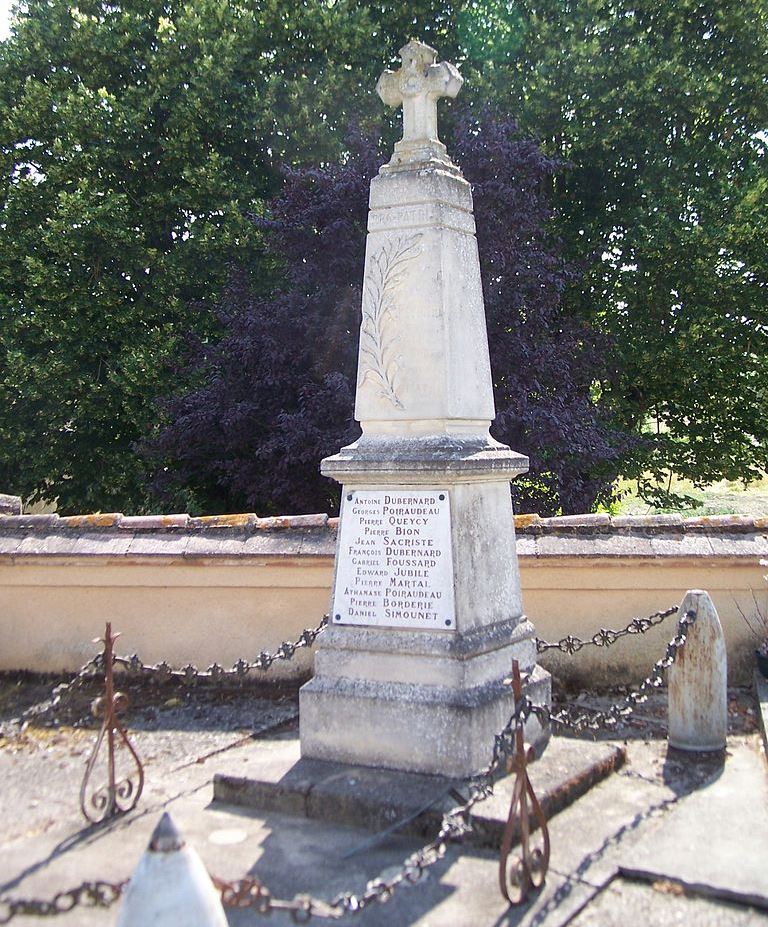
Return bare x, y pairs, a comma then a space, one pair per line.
277, 389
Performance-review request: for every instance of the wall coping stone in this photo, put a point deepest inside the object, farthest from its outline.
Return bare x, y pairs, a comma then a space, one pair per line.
524, 524
10, 505
187, 538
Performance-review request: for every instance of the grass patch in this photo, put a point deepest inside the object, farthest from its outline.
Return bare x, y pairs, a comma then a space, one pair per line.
728, 497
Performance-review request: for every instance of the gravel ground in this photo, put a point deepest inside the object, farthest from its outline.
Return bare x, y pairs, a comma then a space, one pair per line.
42, 761
174, 728
184, 736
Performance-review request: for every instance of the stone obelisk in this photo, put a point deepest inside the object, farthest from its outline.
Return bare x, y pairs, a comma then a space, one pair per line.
426, 614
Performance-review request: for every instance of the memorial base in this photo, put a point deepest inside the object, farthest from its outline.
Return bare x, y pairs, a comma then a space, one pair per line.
426, 614
411, 727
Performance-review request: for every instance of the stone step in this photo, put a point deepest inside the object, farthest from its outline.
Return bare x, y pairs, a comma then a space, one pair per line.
384, 801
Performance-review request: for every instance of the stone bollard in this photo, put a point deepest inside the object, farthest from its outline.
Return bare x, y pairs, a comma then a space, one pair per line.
698, 696
170, 886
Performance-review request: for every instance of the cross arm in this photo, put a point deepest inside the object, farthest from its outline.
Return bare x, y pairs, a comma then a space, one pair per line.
388, 88
444, 80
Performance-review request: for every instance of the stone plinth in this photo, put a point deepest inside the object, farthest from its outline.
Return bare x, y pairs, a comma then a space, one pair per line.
278, 780
426, 613
430, 700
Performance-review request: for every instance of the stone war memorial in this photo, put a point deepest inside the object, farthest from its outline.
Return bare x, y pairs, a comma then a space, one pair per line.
426, 614
394, 787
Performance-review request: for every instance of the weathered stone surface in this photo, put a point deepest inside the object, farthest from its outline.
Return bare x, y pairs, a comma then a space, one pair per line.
646, 521
38, 545
376, 799
424, 368
720, 521
523, 522
153, 522
292, 521
417, 86
283, 543
244, 520
761, 691
14, 522
425, 404
577, 521
10, 505
211, 543
534, 537
726, 544
698, 680
681, 545
9, 543
103, 544
317, 544
716, 840
410, 726
168, 544
170, 886
97, 520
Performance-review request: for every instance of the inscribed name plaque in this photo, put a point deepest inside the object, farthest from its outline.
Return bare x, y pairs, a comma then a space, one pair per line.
394, 566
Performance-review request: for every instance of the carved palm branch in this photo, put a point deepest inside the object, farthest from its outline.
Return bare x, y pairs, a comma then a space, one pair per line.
378, 333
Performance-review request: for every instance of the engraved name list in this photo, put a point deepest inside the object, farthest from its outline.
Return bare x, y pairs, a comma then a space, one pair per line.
394, 566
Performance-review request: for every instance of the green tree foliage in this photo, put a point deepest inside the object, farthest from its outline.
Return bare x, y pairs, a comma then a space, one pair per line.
136, 137
662, 108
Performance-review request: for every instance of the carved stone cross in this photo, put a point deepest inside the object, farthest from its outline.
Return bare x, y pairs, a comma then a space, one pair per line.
417, 86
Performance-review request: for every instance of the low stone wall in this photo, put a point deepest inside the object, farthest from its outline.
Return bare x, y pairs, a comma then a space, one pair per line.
218, 588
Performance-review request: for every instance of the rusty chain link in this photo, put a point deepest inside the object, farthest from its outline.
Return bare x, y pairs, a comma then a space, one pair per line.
605, 637
578, 720
60, 693
190, 674
250, 893
163, 671
456, 823
242, 668
98, 894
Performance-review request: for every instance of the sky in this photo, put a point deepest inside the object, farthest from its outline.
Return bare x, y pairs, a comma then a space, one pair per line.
5, 12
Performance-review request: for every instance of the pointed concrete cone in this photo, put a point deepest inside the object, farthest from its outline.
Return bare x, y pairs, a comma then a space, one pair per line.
170, 887
698, 679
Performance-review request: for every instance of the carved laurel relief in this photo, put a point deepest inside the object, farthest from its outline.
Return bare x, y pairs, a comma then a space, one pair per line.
378, 334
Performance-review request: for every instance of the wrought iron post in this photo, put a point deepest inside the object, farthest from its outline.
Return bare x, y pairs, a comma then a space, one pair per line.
526, 871
117, 796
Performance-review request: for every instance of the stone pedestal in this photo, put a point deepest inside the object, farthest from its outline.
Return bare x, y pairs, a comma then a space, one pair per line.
426, 614
429, 700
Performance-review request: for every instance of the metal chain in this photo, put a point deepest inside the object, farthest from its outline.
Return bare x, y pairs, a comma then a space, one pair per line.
578, 720
456, 823
242, 668
250, 893
60, 694
190, 674
97, 894
605, 637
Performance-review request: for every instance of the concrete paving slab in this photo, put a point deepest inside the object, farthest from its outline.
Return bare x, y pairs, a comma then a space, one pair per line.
716, 839
281, 780
291, 855
44, 848
626, 903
